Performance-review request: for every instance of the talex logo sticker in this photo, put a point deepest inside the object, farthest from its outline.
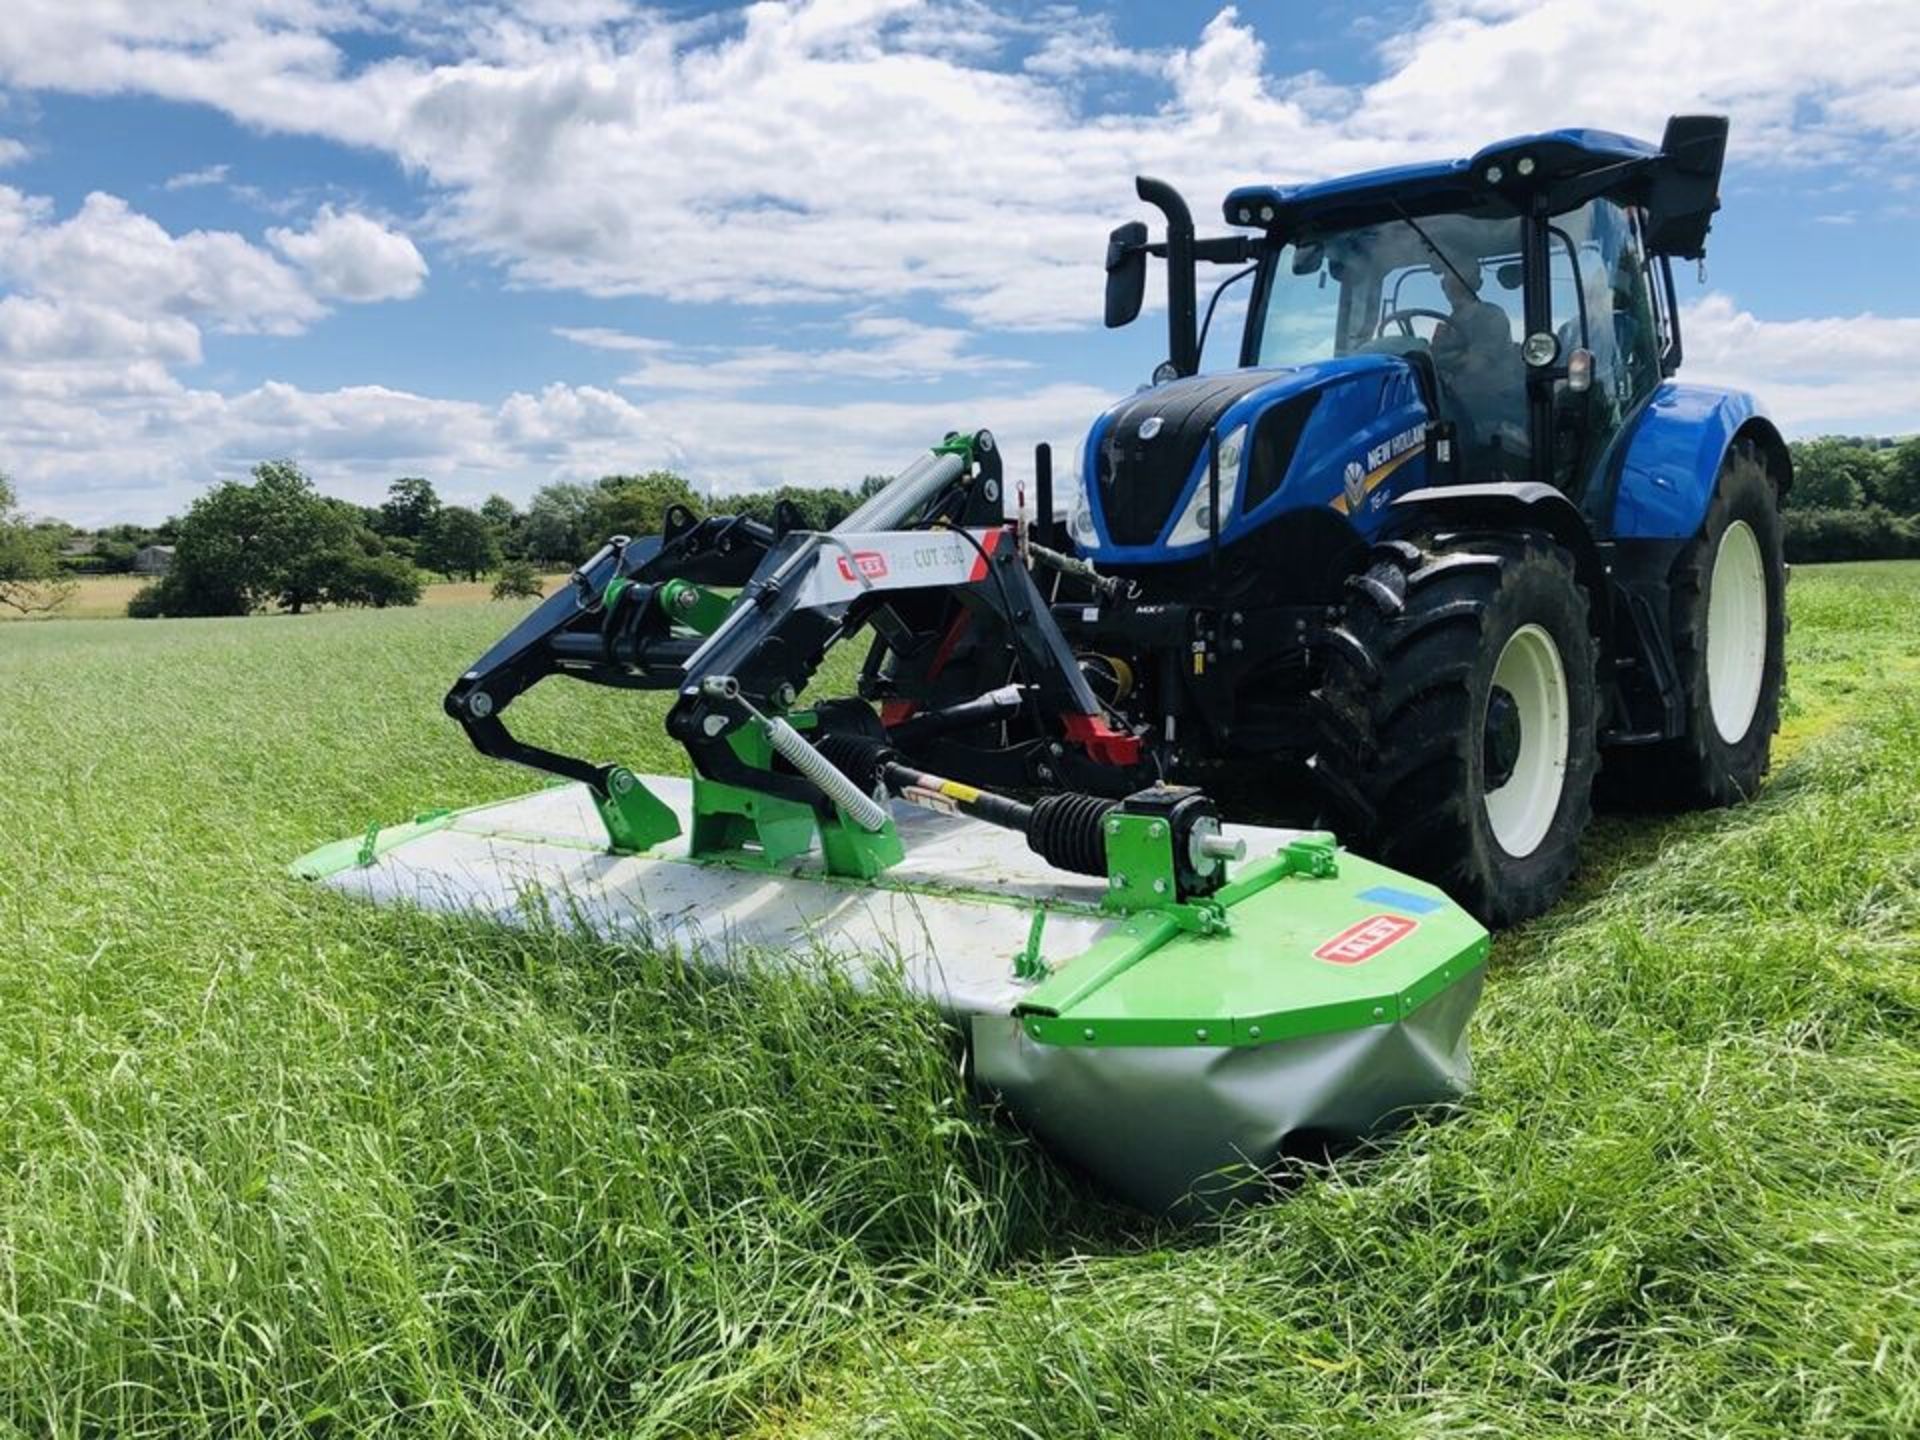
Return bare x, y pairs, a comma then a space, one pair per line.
873, 565
1366, 939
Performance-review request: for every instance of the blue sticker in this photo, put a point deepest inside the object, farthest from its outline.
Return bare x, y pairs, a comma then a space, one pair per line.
1402, 900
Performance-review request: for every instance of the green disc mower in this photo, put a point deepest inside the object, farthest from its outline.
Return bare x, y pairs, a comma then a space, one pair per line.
1171, 1001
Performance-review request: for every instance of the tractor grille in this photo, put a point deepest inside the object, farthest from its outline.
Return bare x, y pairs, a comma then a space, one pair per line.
1140, 480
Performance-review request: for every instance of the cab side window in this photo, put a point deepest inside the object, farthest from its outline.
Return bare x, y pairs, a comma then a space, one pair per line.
1606, 306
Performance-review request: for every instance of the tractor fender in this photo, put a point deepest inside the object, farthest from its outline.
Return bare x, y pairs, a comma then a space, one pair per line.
1670, 459
1514, 506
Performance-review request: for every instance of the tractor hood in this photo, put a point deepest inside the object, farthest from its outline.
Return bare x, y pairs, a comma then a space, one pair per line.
1329, 433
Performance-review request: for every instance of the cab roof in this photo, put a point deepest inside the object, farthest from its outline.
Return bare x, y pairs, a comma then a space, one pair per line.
1572, 166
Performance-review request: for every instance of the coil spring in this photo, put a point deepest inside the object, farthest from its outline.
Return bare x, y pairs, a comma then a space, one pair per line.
1066, 830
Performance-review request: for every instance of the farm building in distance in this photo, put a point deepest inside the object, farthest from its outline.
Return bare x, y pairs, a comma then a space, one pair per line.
153, 560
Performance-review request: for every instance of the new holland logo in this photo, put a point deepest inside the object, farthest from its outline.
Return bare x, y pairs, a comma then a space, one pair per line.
1355, 483
1150, 427
1366, 939
873, 565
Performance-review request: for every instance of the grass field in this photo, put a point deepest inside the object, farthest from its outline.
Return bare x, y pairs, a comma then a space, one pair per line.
275, 1164
105, 597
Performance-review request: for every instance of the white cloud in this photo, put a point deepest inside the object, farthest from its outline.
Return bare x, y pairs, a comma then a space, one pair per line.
860, 150
890, 349
196, 179
33, 329
350, 257
91, 453
1857, 371
12, 151
109, 254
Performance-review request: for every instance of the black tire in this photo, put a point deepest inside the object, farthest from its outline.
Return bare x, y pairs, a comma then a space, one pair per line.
1702, 768
1405, 756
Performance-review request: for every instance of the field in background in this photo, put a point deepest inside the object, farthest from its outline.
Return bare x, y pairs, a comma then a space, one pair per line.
274, 1163
104, 597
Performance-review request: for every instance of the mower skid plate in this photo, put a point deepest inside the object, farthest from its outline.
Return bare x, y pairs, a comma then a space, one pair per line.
1170, 1062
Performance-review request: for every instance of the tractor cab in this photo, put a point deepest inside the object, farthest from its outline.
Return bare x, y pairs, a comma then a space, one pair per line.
1529, 287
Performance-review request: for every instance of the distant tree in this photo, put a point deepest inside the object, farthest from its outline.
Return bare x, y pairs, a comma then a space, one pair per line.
410, 508
558, 524
517, 581
1898, 484
274, 541
30, 578
872, 485
376, 580
818, 507
637, 505
498, 511
1830, 474
460, 542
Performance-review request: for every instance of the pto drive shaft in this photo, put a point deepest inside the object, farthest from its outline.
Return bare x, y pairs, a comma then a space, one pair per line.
1066, 830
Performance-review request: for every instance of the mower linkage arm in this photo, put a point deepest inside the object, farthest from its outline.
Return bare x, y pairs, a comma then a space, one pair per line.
606, 628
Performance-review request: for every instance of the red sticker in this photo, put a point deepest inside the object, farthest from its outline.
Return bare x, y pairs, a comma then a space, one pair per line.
872, 564
1366, 939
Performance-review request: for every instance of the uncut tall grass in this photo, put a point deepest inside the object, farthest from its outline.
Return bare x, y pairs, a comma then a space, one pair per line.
275, 1163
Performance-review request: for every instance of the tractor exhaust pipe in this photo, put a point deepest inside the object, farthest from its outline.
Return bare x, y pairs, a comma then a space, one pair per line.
1183, 338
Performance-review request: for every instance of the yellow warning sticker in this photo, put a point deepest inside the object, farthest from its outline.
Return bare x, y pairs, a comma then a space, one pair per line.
954, 790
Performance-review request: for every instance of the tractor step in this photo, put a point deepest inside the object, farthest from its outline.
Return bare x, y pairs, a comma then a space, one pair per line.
1334, 996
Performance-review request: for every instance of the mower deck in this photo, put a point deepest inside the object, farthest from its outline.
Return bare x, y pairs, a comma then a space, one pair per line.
1330, 1003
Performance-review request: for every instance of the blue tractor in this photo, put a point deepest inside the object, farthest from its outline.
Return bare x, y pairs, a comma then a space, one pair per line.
1446, 537
1449, 537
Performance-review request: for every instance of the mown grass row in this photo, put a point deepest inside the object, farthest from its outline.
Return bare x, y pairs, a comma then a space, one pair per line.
274, 1163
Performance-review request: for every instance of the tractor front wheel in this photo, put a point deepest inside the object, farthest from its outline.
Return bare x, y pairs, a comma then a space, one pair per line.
1458, 718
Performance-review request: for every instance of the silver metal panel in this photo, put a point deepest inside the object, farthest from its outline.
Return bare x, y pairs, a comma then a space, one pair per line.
542, 854
1202, 1121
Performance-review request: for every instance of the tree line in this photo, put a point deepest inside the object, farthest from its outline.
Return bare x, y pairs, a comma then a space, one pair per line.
1854, 498
274, 542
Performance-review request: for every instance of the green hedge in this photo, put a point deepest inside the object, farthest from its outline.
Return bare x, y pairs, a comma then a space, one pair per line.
1869, 533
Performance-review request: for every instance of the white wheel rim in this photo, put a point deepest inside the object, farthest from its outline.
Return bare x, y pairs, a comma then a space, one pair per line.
1521, 811
1736, 631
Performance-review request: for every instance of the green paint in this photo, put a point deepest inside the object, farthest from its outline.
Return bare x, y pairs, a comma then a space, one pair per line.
1154, 981
733, 823
362, 850
962, 445
1029, 964
1140, 869
636, 818
699, 609
856, 854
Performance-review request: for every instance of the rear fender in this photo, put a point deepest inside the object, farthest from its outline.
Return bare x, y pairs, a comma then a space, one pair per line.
1671, 460
1515, 506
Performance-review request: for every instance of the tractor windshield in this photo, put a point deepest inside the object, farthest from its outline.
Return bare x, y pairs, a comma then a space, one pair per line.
1448, 286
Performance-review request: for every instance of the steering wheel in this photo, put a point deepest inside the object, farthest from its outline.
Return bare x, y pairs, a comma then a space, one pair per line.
1406, 317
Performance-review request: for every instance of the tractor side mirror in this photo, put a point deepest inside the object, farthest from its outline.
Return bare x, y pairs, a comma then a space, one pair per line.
1126, 273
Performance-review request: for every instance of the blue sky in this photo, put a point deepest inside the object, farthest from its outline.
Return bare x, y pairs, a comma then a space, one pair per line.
501, 246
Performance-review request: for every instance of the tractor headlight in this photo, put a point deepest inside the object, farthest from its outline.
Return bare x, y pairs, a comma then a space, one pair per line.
1197, 521
1080, 518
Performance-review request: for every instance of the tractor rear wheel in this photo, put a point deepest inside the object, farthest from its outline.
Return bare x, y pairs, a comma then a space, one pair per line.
1728, 625
1458, 716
